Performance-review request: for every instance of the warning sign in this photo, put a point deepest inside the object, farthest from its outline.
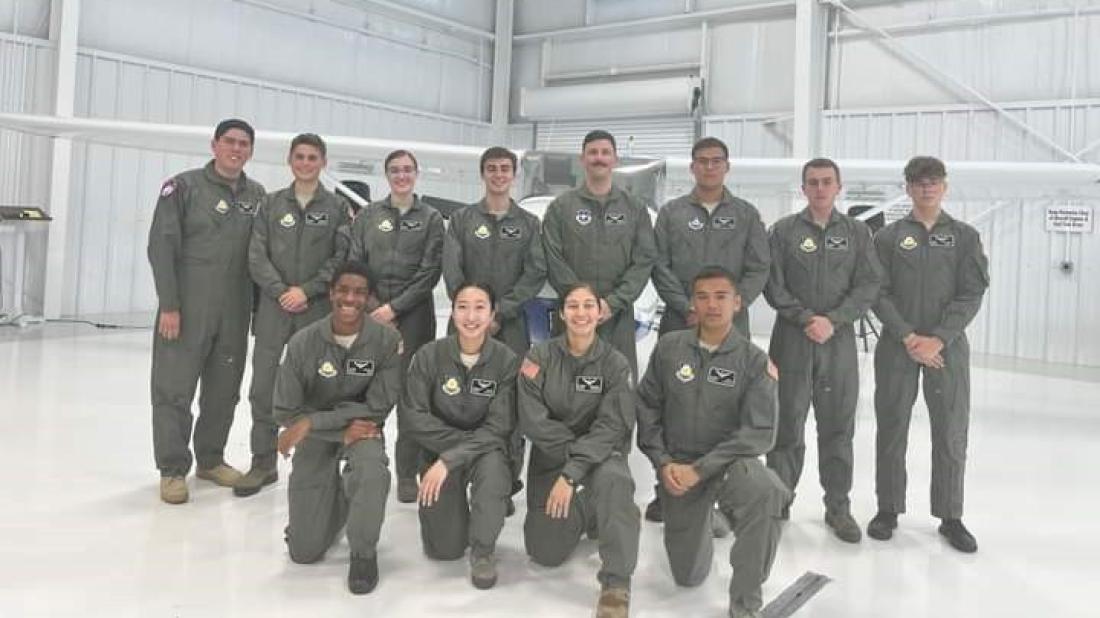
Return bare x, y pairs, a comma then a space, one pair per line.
1067, 218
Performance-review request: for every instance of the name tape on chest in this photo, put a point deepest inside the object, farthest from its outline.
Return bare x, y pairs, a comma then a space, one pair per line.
482, 387
247, 208
724, 223
511, 232
359, 367
615, 218
836, 243
589, 384
316, 218
722, 377
941, 240
411, 225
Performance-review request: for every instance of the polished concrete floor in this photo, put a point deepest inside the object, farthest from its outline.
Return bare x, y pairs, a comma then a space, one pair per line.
82, 531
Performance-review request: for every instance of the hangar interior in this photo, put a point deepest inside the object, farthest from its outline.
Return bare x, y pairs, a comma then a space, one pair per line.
1006, 81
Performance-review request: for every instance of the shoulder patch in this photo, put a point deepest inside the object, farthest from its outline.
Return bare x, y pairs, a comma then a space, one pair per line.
529, 369
168, 188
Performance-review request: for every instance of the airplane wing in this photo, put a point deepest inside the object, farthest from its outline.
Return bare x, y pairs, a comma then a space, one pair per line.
445, 159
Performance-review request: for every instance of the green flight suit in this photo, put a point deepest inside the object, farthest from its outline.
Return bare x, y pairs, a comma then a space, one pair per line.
331, 385
834, 272
689, 238
290, 246
403, 253
578, 413
607, 242
464, 418
198, 251
716, 411
934, 283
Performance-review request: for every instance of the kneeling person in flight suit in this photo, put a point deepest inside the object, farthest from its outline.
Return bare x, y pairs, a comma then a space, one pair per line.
339, 379
299, 238
459, 407
577, 409
706, 413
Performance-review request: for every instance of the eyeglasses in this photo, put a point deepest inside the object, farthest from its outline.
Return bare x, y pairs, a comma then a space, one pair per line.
710, 161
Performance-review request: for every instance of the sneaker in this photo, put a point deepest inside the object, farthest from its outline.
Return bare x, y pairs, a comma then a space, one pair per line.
719, 525
221, 474
844, 525
882, 526
653, 511
483, 572
614, 603
362, 574
173, 489
736, 611
252, 482
406, 490
958, 536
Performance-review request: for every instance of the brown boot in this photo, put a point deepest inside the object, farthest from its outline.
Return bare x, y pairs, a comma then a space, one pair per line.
173, 489
222, 474
614, 603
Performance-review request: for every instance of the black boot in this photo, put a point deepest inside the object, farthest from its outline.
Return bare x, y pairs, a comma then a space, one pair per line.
882, 526
958, 536
653, 509
362, 574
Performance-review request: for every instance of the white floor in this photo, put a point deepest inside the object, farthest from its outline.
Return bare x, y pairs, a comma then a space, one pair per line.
82, 531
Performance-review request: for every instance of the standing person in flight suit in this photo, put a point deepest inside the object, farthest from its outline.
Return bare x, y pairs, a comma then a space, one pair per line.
198, 250
708, 226
299, 238
400, 239
498, 242
599, 234
336, 385
459, 406
935, 277
577, 409
706, 413
824, 276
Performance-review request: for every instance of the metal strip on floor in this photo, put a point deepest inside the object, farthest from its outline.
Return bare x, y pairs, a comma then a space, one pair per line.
795, 596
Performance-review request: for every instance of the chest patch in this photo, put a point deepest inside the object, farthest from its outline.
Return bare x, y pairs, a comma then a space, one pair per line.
941, 240
510, 232
695, 224
724, 223
317, 218
908, 243
589, 384
451, 387
359, 367
288, 220
411, 225
685, 373
386, 225
808, 245
836, 243
327, 370
482, 232
615, 218
483, 388
584, 216
247, 208
221, 207
722, 377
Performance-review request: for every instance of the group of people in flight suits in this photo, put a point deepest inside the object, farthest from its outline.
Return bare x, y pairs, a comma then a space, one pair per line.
342, 313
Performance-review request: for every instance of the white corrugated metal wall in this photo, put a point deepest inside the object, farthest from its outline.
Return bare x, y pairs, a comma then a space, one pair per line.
640, 137
113, 189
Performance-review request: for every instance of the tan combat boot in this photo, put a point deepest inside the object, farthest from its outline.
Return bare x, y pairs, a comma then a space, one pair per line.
614, 603
222, 474
173, 489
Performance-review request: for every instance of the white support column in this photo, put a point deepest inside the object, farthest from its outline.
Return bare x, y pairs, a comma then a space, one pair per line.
502, 69
64, 28
810, 47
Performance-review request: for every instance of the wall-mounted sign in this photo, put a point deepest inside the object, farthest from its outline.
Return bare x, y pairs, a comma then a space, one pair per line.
1069, 218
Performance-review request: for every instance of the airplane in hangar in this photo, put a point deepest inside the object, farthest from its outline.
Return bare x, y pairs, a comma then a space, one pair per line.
875, 184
